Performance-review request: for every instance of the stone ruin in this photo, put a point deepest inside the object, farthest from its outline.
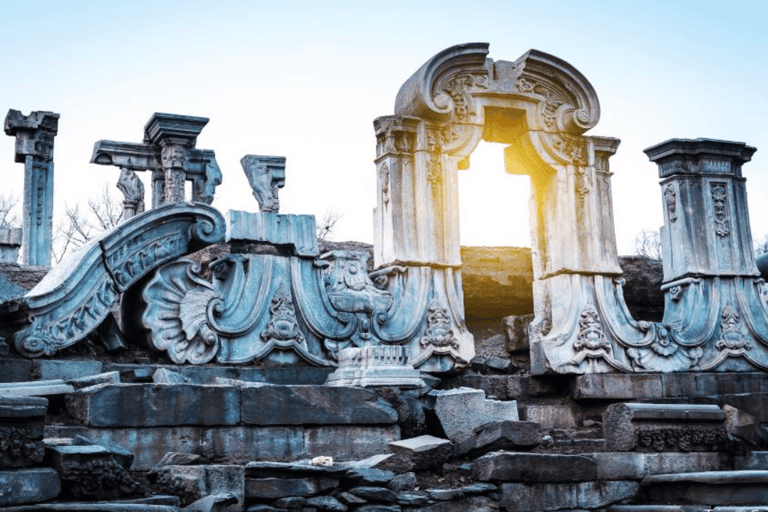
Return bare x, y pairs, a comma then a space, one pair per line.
190, 359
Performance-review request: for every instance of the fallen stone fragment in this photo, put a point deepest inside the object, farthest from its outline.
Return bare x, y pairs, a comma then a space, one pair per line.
412, 498
120, 454
462, 410
403, 482
369, 476
380, 494
503, 435
179, 459
218, 502
326, 503
533, 467
742, 425
165, 376
417, 454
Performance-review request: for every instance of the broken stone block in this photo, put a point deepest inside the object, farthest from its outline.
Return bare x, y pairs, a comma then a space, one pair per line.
120, 454
412, 498
742, 425
369, 476
179, 459
417, 454
52, 369
166, 376
462, 410
328, 503
193, 483
517, 332
316, 405
32, 485
502, 435
403, 482
22, 425
533, 467
154, 405
218, 502
664, 427
551, 416
349, 441
635, 466
524, 497
375, 494
274, 488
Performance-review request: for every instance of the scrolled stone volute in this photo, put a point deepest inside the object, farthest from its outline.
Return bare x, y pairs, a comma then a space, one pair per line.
421, 96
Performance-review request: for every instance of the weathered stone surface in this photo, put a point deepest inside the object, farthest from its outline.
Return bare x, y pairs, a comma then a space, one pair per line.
194, 483
753, 460
266, 175
36, 388
742, 425
521, 497
179, 459
313, 405
52, 369
412, 498
376, 494
28, 486
475, 504
663, 427
249, 443
462, 410
122, 456
533, 467
93, 380
297, 231
326, 503
375, 366
497, 281
616, 386
517, 332
274, 488
417, 454
551, 415
349, 442
166, 376
218, 502
369, 476
709, 488
403, 482
152, 405
22, 424
90, 472
148, 444
15, 370
503, 435
635, 466
378, 508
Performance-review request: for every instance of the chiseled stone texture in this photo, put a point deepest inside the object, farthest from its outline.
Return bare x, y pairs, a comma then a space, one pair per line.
154, 405
635, 466
28, 486
462, 410
50, 369
22, 425
519, 497
349, 442
533, 467
503, 435
313, 405
274, 488
551, 416
205, 480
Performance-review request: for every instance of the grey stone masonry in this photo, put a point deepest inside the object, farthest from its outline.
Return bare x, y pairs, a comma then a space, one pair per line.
10, 242
533, 467
664, 427
34, 148
708, 488
32, 485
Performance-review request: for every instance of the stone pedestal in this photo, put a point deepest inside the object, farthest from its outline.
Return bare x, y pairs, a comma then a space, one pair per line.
375, 366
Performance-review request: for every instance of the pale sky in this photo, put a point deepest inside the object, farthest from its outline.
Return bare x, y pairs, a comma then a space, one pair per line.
306, 79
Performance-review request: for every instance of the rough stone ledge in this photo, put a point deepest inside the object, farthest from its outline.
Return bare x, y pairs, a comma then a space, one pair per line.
710, 477
241, 443
522, 497
636, 466
708, 488
33, 485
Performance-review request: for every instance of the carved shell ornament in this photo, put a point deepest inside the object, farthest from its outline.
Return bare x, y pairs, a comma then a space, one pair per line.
179, 303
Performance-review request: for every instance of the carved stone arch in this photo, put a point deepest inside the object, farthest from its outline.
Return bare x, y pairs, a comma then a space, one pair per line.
540, 107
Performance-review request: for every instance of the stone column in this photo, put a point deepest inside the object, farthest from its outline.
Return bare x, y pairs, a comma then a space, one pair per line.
175, 135
706, 224
34, 147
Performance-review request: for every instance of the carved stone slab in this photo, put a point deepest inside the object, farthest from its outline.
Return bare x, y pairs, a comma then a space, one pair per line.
77, 295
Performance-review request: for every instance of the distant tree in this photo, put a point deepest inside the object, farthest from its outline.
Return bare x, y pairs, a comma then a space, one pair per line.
78, 228
8, 211
762, 246
327, 224
648, 244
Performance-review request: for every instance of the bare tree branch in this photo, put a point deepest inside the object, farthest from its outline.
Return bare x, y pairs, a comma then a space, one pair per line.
648, 244
327, 224
9, 211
